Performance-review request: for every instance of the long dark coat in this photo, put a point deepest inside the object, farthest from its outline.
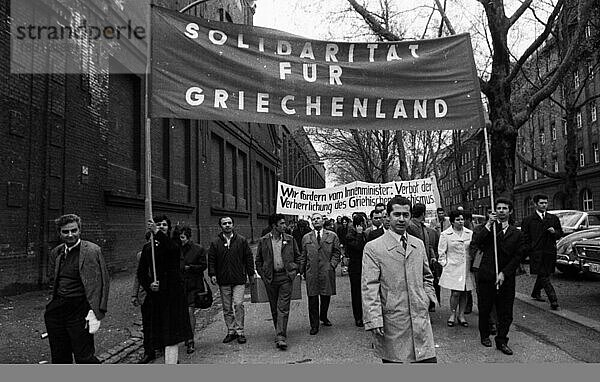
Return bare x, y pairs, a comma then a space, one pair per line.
194, 256
542, 255
321, 260
170, 319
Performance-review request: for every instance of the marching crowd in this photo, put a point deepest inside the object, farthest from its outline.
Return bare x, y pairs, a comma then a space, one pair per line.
396, 265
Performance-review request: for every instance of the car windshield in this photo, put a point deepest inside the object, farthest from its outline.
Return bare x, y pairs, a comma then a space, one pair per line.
568, 218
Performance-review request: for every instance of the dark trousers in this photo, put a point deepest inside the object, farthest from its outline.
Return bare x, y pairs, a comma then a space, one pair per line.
427, 360
354, 274
313, 309
543, 282
503, 299
146, 309
67, 332
280, 295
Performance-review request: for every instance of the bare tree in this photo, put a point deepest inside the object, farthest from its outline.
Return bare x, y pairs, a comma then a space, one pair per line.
498, 86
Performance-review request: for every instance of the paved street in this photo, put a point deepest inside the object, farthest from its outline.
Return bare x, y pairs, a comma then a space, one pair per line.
343, 343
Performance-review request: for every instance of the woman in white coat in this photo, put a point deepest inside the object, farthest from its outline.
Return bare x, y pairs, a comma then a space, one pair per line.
453, 251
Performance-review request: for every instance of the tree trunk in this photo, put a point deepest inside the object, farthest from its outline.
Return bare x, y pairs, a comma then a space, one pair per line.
571, 160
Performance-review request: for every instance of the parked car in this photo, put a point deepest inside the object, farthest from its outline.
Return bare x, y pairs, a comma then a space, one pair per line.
567, 260
573, 220
589, 255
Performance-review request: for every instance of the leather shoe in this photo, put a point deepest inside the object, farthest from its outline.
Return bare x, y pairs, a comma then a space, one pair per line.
282, 345
147, 358
229, 337
314, 331
241, 339
360, 323
504, 349
554, 306
486, 342
538, 298
326, 323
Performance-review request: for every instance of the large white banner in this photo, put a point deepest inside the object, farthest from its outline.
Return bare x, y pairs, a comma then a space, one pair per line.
353, 197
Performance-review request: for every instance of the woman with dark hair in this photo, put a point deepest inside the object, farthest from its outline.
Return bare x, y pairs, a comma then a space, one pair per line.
342, 231
169, 314
193, 264
355, 243
453, 251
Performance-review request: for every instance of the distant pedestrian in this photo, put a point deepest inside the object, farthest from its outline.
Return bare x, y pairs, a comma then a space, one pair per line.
385, 225
302, 228
440, 223
397, 288
456, 274
138, 298
170, 320
79, 295
321, 249
355, 244
541, 230
376, 221
278, 262
498, 289
193, 266
230, 265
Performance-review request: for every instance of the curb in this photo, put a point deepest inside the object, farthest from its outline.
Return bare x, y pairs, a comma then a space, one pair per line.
121, 352
567, 314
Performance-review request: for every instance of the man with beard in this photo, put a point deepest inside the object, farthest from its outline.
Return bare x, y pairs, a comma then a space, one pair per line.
321, 250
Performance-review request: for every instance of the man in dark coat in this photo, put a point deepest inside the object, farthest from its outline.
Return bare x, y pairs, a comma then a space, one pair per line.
278, 262
355, 243
169, 316
79, 295
193, 264
416, 227
230, 264
498, 289
374, 234
541, 230
321, 249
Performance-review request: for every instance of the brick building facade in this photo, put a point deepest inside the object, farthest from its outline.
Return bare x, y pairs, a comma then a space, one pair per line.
75, 144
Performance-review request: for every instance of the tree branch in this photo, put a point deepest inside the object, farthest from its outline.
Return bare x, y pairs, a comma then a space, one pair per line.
444, 17
543, 171
519, 12
374, 24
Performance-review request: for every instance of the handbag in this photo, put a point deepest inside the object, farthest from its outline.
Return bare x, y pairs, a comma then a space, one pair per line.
203, 299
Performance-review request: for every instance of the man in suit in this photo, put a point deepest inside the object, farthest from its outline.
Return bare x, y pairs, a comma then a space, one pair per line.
440, 224
278, 262
385, 225
397, 288
541, 230
376, 221
79, 297
321, 251
498, 287
416, 226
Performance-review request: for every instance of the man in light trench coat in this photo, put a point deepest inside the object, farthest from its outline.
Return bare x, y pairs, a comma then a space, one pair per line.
321, 249
397, 288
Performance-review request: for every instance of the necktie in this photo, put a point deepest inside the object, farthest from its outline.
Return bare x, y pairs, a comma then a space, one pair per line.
403, 239
319, 237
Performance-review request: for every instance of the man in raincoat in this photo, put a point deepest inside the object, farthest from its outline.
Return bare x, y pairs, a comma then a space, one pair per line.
321, 249
397, 288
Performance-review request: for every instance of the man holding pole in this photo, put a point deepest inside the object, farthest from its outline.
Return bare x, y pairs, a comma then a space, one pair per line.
496, 275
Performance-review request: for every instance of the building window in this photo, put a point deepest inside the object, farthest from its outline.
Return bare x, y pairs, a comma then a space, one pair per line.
587, 202
535, 175
588, 30
555, 165
596, 154
576, 79
564, 127
553, 132
581, 157
593, 110
543, 138
526, 174
591, 70
579, 121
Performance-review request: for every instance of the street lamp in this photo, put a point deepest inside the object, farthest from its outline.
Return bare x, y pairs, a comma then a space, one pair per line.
308, 165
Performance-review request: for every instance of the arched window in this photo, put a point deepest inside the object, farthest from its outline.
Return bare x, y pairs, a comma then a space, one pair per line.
587, 201
528, 206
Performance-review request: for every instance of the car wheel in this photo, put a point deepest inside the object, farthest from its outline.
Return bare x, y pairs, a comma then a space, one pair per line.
568, 270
